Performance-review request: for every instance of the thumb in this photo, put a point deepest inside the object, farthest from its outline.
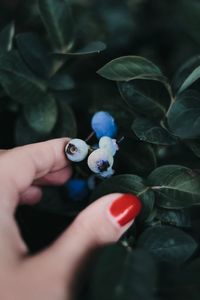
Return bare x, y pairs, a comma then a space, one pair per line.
104, 221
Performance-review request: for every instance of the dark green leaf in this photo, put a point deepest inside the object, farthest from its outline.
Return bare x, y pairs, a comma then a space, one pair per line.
130, 67
122, 274
194, 145
91, 48
187, 74
61, 81
175, 186
35, 53
66, 122
127, 183
6, 37
24, 134
41, 116
168, 244
178, 217
18, 81
136, 157
184, 115
151, 132
57, 18
145, 97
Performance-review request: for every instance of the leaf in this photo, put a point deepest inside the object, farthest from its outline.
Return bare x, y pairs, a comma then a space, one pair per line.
194, 145
41, 116
151, 132
183, 117
145, 97
122, 274
92, 48
61, 81
24, 134
187, 74
168, 244
136, 157
18, 81
126, 68
57, 18
35, 53
66, 123
175, 186
178, 217
6, 37
127, 183
64, 127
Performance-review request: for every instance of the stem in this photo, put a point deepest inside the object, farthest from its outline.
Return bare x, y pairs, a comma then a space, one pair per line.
90, 136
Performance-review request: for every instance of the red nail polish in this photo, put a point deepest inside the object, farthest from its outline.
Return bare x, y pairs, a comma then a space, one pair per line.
125, 208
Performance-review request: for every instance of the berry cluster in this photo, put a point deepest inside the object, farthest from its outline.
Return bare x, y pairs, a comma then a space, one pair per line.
100, 158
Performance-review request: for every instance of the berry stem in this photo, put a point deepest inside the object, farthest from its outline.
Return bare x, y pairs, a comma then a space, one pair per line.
90, 136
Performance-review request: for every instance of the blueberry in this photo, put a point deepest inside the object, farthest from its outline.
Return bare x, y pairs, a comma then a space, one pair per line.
100, 161
76, 150
104, 124
77, 189
109, 144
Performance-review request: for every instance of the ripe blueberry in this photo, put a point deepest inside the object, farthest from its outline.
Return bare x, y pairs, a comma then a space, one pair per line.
104, 124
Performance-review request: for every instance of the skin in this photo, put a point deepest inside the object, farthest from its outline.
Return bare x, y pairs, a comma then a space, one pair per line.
51, 273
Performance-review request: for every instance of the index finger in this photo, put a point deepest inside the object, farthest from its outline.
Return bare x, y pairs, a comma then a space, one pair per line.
21, 165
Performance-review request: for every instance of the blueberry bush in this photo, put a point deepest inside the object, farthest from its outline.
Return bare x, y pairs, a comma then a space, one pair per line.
137, 64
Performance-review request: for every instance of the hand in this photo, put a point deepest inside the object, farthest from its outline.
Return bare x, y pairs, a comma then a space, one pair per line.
49, 275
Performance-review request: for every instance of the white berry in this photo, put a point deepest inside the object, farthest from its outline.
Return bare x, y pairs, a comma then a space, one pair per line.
100, 161
76, 150
109, 144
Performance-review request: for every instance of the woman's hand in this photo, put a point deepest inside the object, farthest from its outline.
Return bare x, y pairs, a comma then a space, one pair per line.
49, 275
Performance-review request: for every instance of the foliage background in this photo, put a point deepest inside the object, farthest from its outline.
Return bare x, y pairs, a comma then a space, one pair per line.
164, 32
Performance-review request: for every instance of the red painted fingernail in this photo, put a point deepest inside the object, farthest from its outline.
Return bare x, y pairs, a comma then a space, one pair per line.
125, 208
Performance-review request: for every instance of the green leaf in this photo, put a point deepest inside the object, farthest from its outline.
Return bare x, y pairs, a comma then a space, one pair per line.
183, 116
194, 145
187, 74
175, 186
24, 134
61, 81
35, 53
41, 116
136, 157
176, 217
92, 48
151, 132
6, 37
145, 97
66, 123
122, 274
168, 244
18, 81
57, 18
127, 183
126, 68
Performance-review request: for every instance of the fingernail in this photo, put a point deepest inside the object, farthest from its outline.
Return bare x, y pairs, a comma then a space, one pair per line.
125, 208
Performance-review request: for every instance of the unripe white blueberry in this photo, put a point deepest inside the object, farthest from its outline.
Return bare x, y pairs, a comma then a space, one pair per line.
76, 150
108, 144
100, 161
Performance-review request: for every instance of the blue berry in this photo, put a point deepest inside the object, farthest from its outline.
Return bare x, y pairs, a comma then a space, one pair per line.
76, 150
100, 162
77, 189
109, 144
104, 124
